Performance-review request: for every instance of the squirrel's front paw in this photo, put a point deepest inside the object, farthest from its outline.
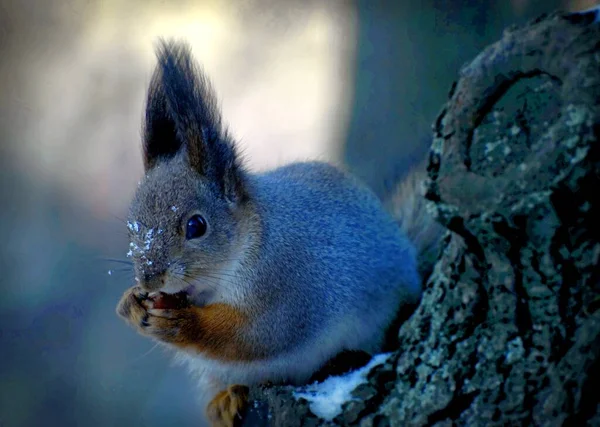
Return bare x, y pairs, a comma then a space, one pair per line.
130, 306
168, 325
216, 330
227, 407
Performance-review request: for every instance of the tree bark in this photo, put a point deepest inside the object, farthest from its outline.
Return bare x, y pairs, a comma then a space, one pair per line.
508, 329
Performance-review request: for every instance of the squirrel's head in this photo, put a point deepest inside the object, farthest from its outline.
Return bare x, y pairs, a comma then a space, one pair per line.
191, 219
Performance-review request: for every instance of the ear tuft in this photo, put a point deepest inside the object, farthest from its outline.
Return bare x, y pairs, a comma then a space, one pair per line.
182, 116
160, 139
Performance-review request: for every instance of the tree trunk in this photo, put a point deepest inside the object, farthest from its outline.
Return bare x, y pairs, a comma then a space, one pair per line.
507, 331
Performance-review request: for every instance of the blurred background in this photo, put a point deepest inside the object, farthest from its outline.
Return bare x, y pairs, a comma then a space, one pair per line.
355, 82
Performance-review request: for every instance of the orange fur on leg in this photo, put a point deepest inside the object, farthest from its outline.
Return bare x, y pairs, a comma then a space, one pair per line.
228, 406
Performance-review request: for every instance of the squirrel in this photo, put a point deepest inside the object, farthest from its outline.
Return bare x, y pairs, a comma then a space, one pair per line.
259, 277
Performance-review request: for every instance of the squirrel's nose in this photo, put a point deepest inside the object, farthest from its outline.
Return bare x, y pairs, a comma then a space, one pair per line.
152, 281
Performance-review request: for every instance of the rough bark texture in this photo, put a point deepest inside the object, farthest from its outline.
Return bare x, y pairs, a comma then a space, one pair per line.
508, 327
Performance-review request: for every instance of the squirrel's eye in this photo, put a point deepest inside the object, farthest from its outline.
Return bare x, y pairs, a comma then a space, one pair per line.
196, 227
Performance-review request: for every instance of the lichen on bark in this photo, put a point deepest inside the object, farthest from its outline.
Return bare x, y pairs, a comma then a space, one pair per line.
508, 329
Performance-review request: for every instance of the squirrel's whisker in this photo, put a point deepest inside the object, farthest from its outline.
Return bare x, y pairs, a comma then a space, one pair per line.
208, 280
204, 274
120, 261
140, 357
121, 270
191, 282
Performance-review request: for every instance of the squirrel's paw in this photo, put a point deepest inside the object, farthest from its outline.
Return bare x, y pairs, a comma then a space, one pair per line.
227, 407
166, 325
130, 307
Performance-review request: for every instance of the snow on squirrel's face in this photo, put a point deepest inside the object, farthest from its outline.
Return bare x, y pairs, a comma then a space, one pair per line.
183, 235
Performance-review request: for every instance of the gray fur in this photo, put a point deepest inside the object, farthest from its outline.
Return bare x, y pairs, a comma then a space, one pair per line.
309, 252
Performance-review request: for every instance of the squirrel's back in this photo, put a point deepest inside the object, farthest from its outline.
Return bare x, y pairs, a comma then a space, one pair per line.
345, 261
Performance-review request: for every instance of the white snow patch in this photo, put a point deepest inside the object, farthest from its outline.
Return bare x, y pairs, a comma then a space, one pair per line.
148, 239
110, 272
174, 208
133, 248
133, 226
326, 398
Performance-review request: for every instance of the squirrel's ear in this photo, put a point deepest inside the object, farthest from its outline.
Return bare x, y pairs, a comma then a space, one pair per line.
181, 115
160, 137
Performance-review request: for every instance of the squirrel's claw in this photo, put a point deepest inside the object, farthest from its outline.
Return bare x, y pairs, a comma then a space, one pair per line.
227, 408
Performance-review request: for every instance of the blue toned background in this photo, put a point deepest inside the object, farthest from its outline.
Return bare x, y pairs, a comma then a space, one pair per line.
353, 81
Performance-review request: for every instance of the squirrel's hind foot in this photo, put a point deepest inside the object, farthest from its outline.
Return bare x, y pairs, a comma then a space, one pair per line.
227, 408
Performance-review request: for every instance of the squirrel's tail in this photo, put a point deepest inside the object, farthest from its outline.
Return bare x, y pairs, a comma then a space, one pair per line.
409, 206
